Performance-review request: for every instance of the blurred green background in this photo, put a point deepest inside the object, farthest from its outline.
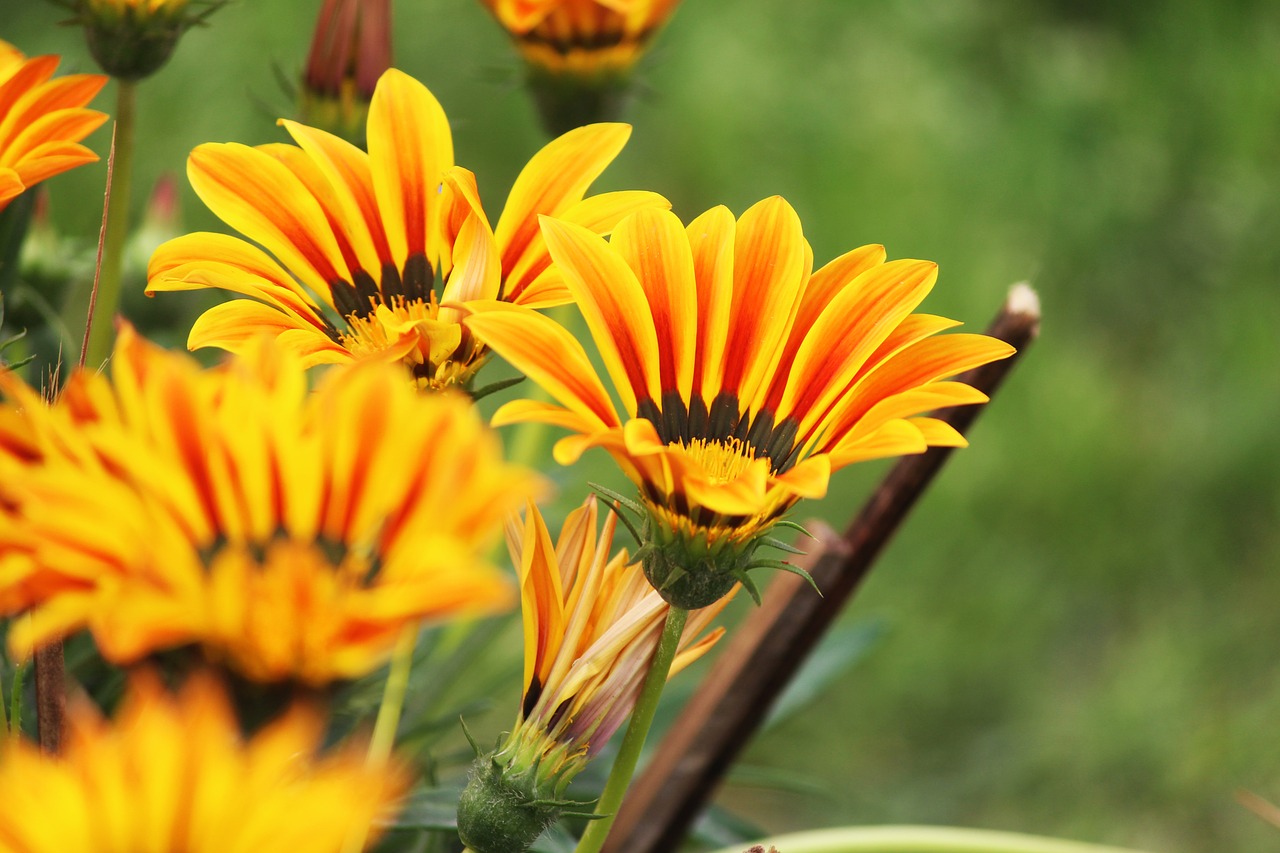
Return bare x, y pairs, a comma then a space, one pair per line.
1079, 623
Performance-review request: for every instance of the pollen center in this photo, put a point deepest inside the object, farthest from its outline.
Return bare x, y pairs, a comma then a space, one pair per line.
723, 460
413, 331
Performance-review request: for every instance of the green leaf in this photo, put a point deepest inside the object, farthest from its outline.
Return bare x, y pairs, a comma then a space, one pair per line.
829, 661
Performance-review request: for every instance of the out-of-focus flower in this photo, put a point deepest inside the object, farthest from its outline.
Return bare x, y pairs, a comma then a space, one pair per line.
580, 53
591, 625
133, 39
42, 120
173, 773
746, 380
290, 535
368, 236
350, 51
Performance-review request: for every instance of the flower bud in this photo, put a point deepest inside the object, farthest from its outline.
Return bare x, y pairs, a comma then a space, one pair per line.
350, 50
132, 39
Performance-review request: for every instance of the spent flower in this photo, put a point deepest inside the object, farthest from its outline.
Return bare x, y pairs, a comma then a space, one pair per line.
746, 377
591, 625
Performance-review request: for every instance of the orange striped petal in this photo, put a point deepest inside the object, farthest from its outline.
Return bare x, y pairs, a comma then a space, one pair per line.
599, 213
542, 600
477, 272
858, 319
233, 325
711, 238
410, 149
11, 186
207, 260
258, 196
53, 158
553, 179
939, 433
894, 438
654, 244
808, 479
349, 179
548, 354
614, 305
769, 269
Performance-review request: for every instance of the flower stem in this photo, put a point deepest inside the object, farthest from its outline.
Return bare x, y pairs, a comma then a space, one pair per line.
100, 334
923, 839
624, 766
388, 721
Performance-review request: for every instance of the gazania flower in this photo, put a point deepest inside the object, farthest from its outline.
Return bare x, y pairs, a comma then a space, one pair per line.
579, 53
290, 535
350, 51
368, 235
745, 378
42, 120
173, 773
591, 625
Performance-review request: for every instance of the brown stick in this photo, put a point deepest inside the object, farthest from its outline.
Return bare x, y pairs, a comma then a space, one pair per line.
773, 642
51, 696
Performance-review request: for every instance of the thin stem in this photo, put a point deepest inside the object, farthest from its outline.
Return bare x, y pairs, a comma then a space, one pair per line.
923, 839
51, 695
106, 300
388, 722
624, 766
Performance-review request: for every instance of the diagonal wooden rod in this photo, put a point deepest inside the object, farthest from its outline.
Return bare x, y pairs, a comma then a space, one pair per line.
770, 646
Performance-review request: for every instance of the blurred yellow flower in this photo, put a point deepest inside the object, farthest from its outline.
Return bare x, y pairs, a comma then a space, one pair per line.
591, 625
42, 120
291, 535
173, 773
746, 378
366, 237
582, 37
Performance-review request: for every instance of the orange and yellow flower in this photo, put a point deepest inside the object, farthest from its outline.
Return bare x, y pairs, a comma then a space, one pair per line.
42, 120
291, 535
360, 240
591, 626
582, 37
173, 773
746, 378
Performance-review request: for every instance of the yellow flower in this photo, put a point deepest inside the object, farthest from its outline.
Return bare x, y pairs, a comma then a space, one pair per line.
582, 37
173, 773
360, 239
291, 535
42, 120
591, 625
746, 379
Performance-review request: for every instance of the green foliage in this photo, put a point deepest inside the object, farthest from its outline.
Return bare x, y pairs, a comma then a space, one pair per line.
1080, 617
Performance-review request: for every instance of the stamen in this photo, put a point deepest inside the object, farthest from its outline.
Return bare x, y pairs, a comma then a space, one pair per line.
723, 461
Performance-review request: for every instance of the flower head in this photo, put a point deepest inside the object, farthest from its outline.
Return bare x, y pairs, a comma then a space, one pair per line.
579, 53
370, 235
591, 625
42, 120
350, 50
289, 535
133, 39
173, 773
745, 378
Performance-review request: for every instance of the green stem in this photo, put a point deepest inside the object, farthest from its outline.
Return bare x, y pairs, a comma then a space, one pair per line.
624, 766
922, 839
388, 722
101, 312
